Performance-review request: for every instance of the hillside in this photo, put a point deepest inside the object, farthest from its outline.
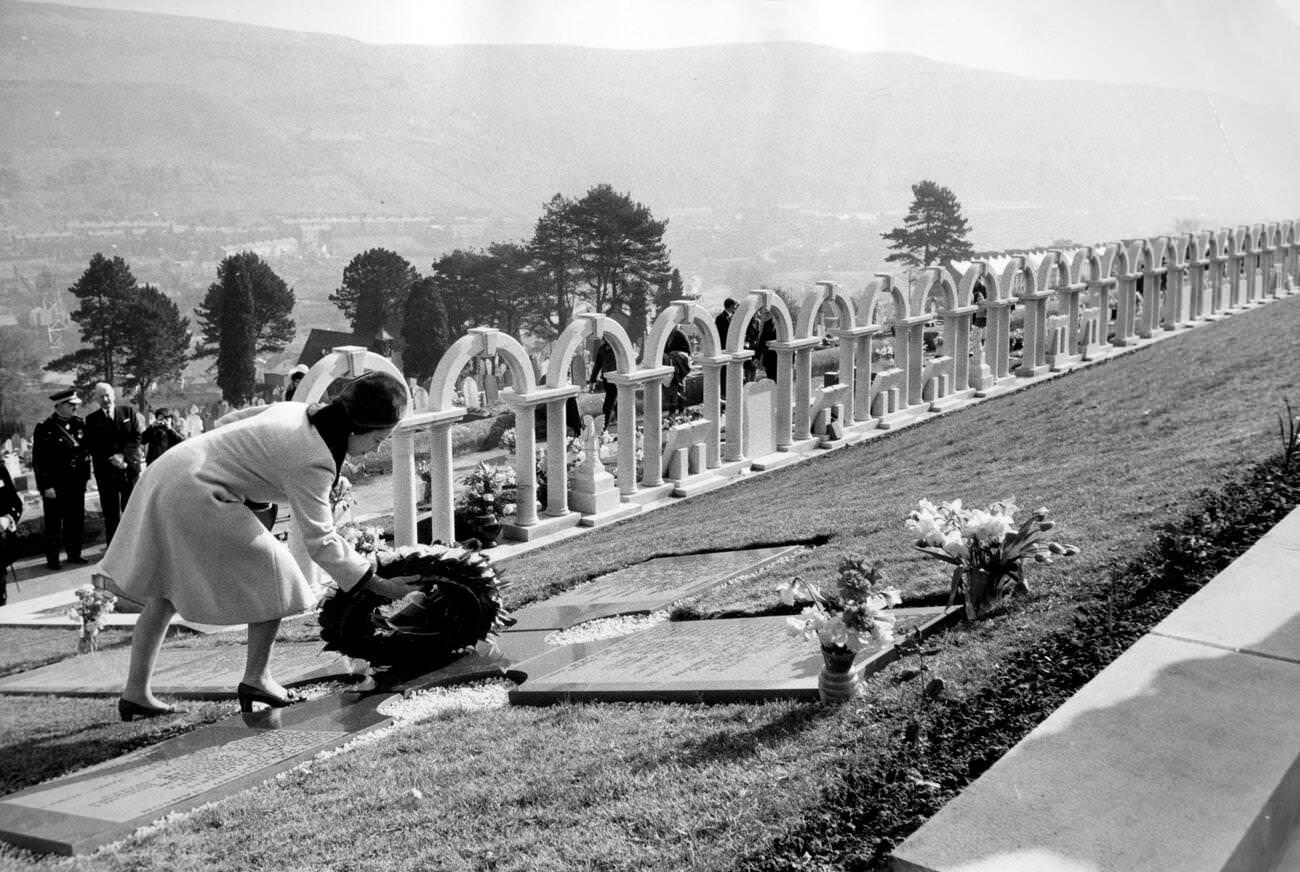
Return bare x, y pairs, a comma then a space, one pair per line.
113, 113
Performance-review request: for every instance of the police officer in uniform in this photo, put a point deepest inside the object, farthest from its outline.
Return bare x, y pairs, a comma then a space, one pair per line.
61, 462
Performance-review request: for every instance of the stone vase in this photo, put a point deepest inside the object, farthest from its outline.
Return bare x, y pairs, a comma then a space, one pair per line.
488, 527
838, 681
87, 644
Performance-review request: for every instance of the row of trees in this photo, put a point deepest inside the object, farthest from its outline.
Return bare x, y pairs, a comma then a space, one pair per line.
135, 336
602, 251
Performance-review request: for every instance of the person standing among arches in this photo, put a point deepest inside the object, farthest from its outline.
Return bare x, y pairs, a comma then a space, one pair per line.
606, 362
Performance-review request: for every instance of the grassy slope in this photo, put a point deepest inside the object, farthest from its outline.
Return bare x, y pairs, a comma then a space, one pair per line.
1113, 450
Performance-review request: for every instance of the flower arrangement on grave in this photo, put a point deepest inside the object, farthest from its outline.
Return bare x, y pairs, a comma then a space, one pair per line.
454, 604
489, 489
844, 622
92, 605
986, 548
852, 617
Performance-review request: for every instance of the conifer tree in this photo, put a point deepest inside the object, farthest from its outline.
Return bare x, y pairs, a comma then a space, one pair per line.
934, 230
245, 312
105, 291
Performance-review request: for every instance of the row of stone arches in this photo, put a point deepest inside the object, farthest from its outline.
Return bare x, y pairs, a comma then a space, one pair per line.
1076, 304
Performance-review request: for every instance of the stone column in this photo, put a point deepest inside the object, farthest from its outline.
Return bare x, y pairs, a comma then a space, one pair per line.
862, 373
1033, 354
1126, 289
735, 448
713, 409
912, 358
557, 473
784, 399
442, 506
654, 427
998, 336
525, 465
626, 440
404, 495
801, 392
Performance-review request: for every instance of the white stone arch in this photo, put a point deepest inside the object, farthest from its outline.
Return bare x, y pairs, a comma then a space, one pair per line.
479, 342
883, 285
344, 361
825, 293
675, 313
588, 325
934, 283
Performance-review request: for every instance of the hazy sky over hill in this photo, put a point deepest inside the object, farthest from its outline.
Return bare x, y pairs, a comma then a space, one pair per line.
1106, 40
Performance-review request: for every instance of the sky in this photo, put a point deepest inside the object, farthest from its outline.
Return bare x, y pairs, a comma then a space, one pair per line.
1044, 39
956, 28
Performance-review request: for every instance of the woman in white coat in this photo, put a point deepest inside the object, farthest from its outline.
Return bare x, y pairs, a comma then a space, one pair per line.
190, 541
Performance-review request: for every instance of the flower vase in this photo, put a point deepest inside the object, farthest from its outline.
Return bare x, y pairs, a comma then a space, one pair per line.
488, 526
838, 681
87, 644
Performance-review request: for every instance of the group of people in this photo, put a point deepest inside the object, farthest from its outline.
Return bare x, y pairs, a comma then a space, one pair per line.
112, 442
187, 527
759, 334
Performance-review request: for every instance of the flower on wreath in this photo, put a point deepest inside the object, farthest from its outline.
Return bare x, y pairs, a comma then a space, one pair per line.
92, 605
854, 616
364, 540
986, 547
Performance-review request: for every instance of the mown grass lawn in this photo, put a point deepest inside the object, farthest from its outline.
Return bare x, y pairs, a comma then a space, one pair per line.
1114, 451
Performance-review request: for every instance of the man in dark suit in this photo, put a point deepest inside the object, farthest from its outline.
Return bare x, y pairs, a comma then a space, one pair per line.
61, 463
113, 435
11, 509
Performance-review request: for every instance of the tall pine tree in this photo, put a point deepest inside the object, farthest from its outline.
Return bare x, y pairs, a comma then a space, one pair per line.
157, 341
246, 311
426, 331
934, 230
105, 291
373, 292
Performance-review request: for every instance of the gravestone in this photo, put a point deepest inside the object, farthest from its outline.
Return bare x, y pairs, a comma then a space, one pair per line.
646, 587
491, 389
728, 660
469, 389
196, 673
681, 438
760, 418
592, 489
82, 811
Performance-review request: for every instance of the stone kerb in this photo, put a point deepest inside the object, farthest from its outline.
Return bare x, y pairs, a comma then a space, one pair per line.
1181, 755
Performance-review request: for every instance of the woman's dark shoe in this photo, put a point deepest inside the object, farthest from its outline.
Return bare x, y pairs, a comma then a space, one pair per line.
248, 695
130, 710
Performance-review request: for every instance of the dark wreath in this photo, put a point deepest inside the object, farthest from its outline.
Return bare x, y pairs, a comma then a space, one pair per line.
456, 603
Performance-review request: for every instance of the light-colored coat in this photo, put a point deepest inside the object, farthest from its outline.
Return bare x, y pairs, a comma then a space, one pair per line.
187, 536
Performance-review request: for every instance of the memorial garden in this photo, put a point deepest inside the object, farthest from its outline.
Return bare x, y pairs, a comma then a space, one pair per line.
1152, 424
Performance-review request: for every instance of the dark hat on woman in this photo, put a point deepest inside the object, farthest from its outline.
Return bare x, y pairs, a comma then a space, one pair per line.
373, 401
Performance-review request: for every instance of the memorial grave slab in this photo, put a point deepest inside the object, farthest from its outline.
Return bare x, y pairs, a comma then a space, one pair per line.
728, 660
646, 587
193, 673
82, 811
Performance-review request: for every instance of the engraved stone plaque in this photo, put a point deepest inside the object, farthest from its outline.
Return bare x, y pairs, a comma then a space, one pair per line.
646, 587
86, 809
200, 673
702, 661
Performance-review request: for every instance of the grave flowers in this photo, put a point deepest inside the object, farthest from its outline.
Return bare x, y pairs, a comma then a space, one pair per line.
852, 618
92, 605
986, 548
491, 491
